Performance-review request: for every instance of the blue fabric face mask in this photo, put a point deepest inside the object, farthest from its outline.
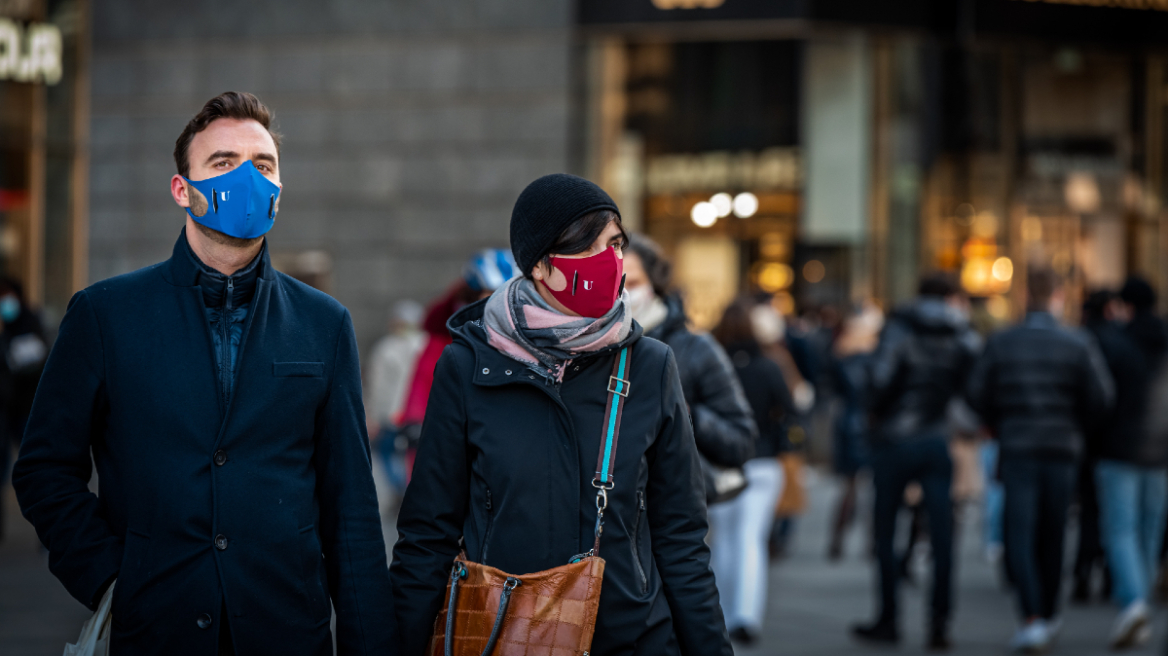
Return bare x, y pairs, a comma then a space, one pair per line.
241, 203
9, 308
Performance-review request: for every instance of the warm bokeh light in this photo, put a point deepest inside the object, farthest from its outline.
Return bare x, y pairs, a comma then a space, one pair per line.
704, 214
745, 205
998, 307
814, 271
1003, 269
723, 203
775, 276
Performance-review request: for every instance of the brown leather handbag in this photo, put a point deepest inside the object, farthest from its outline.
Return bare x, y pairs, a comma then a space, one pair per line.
549, 613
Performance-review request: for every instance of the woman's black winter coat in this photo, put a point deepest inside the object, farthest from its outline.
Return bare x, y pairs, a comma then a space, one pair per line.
724, 426
505, 465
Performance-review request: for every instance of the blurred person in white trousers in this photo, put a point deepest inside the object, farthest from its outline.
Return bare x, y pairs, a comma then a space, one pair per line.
741, 527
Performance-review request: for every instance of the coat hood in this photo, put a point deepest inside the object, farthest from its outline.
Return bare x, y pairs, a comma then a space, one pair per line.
674, 321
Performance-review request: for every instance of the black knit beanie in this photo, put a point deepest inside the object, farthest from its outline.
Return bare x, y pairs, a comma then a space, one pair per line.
545, 209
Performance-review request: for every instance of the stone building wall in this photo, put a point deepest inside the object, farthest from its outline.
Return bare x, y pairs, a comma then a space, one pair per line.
409, 128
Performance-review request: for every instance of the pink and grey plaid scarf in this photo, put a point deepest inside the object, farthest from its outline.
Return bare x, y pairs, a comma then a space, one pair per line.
522, 326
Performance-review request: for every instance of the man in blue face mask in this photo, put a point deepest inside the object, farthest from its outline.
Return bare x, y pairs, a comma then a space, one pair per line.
221, 403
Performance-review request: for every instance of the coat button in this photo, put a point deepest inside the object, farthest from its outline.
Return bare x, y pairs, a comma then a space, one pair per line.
204, 621
220, 542
220, 457
508, 372
486, 371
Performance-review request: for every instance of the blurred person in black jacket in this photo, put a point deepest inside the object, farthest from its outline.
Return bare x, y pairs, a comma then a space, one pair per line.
1097, 318
923, 360
850, 365
1131, 475
1039, 387
741, 526
723, 426
22, 341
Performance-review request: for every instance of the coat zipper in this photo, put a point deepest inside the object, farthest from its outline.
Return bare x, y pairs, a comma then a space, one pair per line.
487, 532
636, 542
225, 345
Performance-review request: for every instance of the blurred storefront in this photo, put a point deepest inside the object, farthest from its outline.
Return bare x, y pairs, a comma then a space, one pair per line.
832, 150
43, 162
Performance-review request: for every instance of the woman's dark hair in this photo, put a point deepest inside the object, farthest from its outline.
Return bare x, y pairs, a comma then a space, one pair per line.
579, 236
657, 266
735, 328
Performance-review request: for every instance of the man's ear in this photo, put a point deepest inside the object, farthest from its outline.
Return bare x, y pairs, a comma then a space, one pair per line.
178, 190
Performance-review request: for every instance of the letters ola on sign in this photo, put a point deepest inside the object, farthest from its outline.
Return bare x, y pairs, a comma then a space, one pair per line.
30, 54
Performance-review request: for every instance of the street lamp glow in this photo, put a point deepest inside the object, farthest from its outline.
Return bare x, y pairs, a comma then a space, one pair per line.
745, 205
704, 214
723, 203
1003, 269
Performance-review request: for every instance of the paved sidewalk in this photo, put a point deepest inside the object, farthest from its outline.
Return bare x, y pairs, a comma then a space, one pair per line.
812, 602
37, 615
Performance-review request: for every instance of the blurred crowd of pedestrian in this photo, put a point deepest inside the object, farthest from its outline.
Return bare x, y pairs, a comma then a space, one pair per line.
1035, 424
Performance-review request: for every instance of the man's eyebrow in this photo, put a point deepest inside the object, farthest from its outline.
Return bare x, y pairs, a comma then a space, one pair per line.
222, 154
266, 157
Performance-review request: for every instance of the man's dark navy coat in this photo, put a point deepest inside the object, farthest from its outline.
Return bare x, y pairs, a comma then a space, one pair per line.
265, 508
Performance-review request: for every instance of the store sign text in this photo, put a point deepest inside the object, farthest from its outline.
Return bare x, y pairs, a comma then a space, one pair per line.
1149, 5
774, 168
31, 54
688, 4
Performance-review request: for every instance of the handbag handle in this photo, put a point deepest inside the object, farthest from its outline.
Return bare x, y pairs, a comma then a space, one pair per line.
618, 390
456, 575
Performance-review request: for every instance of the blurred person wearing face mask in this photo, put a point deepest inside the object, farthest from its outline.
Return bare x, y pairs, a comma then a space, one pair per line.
22, 341
537, 381
221, 403
724, 427
771, 332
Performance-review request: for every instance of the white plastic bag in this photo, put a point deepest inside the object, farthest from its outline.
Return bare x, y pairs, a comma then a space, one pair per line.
94, 640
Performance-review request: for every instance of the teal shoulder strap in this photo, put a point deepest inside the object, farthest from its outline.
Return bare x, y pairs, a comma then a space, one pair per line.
618, 391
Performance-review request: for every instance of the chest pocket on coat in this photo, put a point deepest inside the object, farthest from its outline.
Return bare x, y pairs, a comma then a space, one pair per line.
298, 369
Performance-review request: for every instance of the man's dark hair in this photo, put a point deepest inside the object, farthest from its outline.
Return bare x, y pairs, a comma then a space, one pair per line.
937, 284
230, 104
1095, 306
579, 236
657, 266
1040, 286
1138, 293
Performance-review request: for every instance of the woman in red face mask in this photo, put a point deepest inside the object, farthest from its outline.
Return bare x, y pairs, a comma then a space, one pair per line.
553, 432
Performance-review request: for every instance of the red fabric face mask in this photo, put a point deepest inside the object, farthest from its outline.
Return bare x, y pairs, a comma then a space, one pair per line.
594, 282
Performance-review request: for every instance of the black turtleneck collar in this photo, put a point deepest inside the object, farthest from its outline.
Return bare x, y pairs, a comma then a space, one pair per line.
214, 284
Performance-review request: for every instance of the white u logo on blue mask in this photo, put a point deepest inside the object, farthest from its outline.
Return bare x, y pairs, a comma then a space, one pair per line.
241, 203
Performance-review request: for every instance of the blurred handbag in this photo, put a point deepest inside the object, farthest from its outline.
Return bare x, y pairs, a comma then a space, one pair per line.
722, 483
793, 500
489, 611
94, 640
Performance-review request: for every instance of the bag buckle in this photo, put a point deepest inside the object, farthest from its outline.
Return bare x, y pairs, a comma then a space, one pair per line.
619, 386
